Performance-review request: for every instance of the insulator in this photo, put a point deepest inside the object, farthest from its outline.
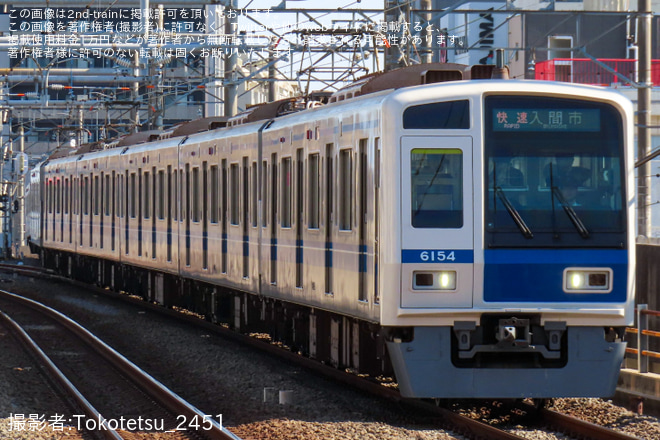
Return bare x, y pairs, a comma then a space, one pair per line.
56, 86
123, 62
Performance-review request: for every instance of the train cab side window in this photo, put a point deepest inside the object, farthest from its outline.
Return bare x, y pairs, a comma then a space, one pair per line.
436, 188
438, 115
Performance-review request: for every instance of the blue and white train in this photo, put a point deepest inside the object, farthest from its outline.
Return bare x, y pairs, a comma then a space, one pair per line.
475, 236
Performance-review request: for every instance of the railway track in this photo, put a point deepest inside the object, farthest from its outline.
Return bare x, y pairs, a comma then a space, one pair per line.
447, 418
114, 398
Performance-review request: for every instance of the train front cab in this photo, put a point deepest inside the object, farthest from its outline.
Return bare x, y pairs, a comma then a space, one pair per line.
524, 289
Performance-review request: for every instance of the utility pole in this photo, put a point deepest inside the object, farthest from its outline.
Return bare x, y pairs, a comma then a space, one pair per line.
427, 34
231, 60
20, 181
644, 118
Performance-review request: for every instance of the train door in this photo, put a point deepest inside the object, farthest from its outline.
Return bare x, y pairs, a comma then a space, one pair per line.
171, 206
113, 212
103, 196
299, 216
329, 185
437, 221
205, 216
273, 220
363, 186
246, 218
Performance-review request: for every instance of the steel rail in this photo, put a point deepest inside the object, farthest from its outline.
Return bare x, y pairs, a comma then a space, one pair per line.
57, 374
148, 384
581, 428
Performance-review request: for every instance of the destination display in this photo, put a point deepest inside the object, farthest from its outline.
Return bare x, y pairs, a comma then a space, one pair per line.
546, 119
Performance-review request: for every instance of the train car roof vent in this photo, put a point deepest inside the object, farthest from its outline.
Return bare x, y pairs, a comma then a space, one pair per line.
481, 71
137, 138
199, 125
438, 76
62, 151
414, 75
267, 110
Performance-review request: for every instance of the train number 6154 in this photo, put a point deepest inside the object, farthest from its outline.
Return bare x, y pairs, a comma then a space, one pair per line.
437, 256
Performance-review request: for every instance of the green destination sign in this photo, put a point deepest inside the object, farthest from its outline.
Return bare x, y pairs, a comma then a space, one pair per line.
546, 119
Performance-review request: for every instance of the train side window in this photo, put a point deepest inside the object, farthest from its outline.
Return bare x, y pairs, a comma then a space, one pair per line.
66, 196
254, 195
107, 194
437, 188
146, 196
185, 207
97, 195
86, 196
175, 186
345, 190
264, 193
235, 193
58, 191
195, 195
161, 194
438, 115
169, 193
49, 196
122, 193
246, 196
74, 195
215, 186
286, 193
314, 189
133, 196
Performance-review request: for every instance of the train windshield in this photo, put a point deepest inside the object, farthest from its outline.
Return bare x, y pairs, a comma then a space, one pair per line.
555, 175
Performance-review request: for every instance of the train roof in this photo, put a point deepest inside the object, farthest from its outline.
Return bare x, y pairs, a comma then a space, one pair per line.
397, 83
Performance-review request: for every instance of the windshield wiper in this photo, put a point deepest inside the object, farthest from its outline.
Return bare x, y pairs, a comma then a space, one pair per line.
515, 215
570, 212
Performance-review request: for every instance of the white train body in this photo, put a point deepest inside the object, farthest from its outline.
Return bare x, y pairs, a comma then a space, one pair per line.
386, 209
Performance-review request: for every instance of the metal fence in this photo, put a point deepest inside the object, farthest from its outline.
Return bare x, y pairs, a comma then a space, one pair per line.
586, 71
643, 333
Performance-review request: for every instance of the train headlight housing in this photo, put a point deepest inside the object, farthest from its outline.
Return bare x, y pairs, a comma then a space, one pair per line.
588, 280
444, 280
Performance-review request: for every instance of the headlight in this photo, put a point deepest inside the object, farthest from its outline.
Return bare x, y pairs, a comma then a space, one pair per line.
588, 280
434, 280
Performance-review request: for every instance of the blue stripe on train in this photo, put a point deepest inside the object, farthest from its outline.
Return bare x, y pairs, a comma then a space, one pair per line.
536, 275
273, 249
328, 254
